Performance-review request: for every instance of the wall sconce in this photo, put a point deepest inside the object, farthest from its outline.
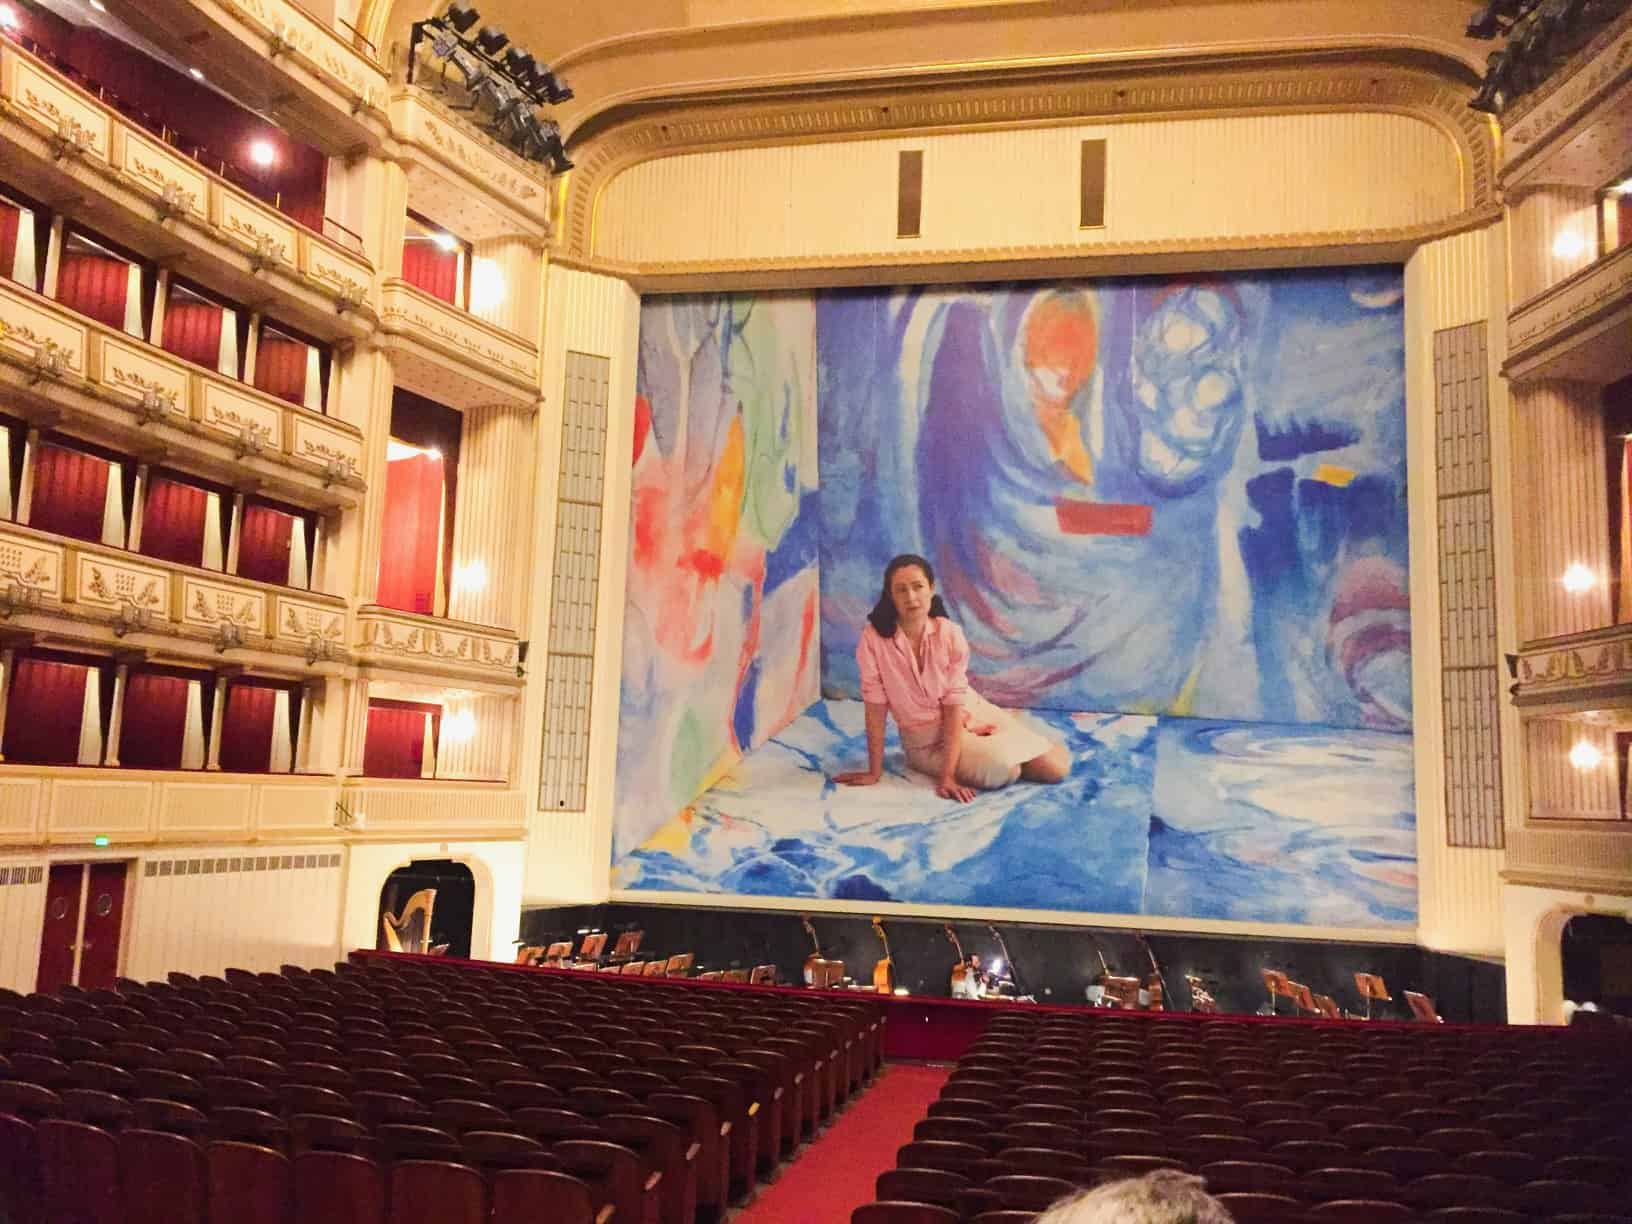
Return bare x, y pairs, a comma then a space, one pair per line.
228, 636
131, 619
48, 362
345, 818
320, 650
1578, 579
69, 140
248, 442
18, 598
1586, 755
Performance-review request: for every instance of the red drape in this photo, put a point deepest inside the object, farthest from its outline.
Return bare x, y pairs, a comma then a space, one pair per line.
427, 266
155, 721
173, 521
192, 331
44, 711
94, 285
10, 217
263, 544
280, 367
70, 492
412, 538
394, 743
246, 728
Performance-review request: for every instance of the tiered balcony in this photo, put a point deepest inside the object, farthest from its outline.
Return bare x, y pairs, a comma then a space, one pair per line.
1579, 672
468, 361
59, 142
404, 645
1579, 328
82, 593
57, 365
326, 84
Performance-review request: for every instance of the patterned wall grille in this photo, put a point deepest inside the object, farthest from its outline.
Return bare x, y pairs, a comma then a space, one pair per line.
568, 690
224, 865
1469, 680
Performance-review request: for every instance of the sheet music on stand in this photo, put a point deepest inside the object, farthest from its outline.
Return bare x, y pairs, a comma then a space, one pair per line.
1371, 987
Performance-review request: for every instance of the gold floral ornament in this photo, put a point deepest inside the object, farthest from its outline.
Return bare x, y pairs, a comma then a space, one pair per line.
70, 139
174, 201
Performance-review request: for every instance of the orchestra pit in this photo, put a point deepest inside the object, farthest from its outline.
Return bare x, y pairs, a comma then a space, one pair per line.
796, 612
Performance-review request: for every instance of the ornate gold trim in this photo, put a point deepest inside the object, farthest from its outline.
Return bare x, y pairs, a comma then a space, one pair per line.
1289, 84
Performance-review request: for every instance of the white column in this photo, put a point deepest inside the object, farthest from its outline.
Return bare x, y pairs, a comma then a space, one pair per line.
116, 723
25, 490
8, 659
237, 531
138, 507
218, 720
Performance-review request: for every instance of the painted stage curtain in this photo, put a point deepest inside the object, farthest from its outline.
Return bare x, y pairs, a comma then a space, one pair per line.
280, 367
272, 546
17, 243
400, 741
54, 714
78, 494
163, 721
411, 538
102, 287
181, 522
257, 729
427, 266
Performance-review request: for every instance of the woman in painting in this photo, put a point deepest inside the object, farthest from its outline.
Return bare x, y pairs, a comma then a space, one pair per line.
915, 668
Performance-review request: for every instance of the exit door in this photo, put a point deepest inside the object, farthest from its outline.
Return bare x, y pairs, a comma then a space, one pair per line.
84, 913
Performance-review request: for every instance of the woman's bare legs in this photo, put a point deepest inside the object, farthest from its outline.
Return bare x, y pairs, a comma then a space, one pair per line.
1052, 766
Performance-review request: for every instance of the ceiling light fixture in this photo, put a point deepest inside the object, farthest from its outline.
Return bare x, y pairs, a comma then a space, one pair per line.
8, 17
262, 153
445, 242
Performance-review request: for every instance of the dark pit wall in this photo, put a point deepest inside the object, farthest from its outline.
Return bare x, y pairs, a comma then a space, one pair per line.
455, 904
1597, 955
1055, 963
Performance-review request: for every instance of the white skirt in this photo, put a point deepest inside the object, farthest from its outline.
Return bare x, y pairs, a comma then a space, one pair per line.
985, 762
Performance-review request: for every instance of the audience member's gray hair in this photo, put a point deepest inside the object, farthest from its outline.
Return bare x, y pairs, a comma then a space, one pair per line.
1163, 1197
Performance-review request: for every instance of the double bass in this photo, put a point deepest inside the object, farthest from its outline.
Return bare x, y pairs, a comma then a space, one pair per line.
819, 971
1155, 984
884, 970
960, 971
1008, 960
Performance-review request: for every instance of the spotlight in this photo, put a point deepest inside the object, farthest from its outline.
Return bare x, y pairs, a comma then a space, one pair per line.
461, 16
554, 150
8, 18
551, 86
445, 242
492, 40
519, 65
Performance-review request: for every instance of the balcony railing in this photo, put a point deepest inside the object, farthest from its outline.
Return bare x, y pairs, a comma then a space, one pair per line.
49, 584
446, 649
393, 810
148, 178
1578, 327
490, 359
1580, 671
128, 387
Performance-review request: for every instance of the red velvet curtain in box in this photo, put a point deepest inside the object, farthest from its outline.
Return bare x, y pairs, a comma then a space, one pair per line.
280, 367
263, 543
427, 266
246, 728
44, 711
154, 721
192, 331
70, 492
411, 539
10, 217
94, 285
394, 742
173, 521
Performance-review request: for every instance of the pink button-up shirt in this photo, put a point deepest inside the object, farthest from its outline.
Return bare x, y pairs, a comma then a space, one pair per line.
891, 675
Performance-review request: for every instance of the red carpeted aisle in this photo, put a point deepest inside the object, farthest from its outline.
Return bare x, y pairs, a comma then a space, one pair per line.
834, 1175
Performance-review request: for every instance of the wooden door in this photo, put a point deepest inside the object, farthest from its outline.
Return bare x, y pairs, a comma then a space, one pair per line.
59, 939
104, 916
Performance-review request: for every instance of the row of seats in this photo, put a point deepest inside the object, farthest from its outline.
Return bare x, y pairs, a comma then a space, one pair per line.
1285, 1121
658, 1101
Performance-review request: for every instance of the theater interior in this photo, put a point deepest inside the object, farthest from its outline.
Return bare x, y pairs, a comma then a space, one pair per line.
450, 454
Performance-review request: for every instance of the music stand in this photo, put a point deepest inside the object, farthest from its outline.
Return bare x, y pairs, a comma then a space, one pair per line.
1275, 982
1370, 986
1301, 998
628, 944
1328, 1007
1422, 1007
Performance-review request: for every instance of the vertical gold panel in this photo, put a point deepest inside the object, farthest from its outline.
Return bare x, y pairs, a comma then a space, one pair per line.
909, 193
1092, 184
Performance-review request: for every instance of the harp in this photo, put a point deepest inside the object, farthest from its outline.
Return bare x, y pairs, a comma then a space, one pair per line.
409, 931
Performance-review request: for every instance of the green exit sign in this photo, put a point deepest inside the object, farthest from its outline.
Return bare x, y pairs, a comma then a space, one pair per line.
100, 841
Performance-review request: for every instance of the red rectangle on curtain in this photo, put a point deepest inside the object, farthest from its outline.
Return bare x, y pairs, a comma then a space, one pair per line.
1102, 518
411, 535
246, 728
94, 285
154, 721
70, 492
173, 521
394, 741
280, 367
10, 218
263, 543
192, 331
427, 266
44, 711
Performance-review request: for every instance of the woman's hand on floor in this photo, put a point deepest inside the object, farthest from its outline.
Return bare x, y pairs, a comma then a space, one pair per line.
858, 777
955, 790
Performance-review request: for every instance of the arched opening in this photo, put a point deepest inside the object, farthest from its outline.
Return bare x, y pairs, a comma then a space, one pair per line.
427, 906
1597, 962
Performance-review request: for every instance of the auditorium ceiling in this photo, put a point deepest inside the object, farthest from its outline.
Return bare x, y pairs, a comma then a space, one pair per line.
633, 58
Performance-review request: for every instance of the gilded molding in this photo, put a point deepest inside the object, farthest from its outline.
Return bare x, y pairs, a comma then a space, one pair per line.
1577, 669
1296, 84
1551, 320
1574, 85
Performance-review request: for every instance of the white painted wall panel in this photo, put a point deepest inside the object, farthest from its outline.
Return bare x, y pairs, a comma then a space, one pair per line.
1168, 180
22, 913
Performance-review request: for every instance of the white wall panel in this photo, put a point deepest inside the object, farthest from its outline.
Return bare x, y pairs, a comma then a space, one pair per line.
205, 910
1555, 233
22, 914
1168, 180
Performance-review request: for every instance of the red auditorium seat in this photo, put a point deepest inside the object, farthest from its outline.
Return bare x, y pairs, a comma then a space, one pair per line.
249, 1184
338, 1188
1348, 1183
1548, 1197
1504, 1165
902, 1213
79, 1171
1252, 1208
21, 1194
1475, 1215
1360, 1211
162, 1177
436, 1192
1247, 1176
528, 1196
938, 1186
1028, 1192
937, 1154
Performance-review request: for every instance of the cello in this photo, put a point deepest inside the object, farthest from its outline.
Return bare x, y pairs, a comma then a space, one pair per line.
819, 971
884, 970
960, 971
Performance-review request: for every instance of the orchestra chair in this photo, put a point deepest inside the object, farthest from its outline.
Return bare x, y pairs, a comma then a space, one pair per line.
902, 1213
